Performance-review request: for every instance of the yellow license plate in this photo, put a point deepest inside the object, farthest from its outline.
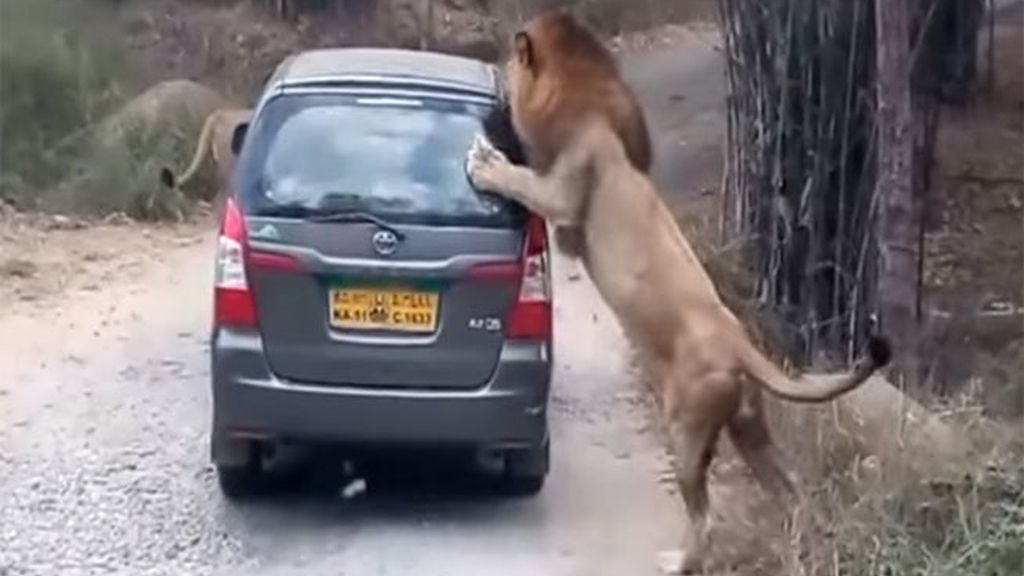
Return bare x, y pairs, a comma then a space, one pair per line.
372, 309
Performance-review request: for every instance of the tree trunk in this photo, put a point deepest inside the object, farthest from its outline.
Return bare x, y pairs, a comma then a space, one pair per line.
899, 216
427, 29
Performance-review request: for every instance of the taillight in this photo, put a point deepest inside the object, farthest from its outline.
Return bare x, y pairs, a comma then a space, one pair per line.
496, 271
272, 261
232, 301
530, 317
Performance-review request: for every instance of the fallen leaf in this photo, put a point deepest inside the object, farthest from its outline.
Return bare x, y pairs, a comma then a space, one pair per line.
18, 268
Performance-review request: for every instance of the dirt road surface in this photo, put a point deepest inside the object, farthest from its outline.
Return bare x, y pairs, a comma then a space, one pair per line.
104, 412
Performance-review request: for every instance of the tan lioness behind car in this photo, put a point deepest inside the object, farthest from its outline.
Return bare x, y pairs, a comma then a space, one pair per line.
214, 140
709, 371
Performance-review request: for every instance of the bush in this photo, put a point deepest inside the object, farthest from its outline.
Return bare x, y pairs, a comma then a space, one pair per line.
61, 68
118, 168
121, 175
875, 522
71, 139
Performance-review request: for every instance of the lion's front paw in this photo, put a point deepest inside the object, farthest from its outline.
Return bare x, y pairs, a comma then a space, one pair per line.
486, 165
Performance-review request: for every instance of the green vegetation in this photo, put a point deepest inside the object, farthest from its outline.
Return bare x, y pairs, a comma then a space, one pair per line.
61, 68
119, 171
909, 526
73, 134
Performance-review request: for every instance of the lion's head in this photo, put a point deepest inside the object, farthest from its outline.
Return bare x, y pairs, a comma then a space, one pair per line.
559, 74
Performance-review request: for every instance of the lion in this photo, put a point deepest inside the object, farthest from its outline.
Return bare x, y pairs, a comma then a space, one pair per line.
214, 140
598, 85
709, 374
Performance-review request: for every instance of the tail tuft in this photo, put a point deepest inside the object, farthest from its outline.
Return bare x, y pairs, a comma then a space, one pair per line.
167, 177
879, 351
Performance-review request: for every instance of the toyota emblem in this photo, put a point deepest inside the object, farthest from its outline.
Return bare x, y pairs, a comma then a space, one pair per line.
384, 242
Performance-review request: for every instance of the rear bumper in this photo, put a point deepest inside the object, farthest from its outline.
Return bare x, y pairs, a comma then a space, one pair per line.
509, 410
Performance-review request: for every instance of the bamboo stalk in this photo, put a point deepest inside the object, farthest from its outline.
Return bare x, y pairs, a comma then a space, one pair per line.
793, 121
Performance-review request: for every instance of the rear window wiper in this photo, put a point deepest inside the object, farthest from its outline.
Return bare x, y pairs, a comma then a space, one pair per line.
327, 214
352, 215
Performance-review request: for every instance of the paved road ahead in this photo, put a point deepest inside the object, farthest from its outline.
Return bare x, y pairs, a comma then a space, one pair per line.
104, 410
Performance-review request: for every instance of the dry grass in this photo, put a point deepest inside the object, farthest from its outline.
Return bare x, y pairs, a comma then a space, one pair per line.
889, 503
974, 244
874, 515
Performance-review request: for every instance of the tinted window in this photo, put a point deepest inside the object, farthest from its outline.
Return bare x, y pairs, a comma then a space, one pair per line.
403, 159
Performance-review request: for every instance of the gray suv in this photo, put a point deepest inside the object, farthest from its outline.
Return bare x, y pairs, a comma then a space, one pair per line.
364, 291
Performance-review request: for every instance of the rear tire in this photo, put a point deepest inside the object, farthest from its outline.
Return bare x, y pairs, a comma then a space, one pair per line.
526, 470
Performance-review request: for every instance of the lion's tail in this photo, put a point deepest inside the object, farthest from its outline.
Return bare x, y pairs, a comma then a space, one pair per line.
202, 150
812, 387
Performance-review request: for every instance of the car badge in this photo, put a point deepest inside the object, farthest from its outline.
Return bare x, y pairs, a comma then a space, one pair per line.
385, 242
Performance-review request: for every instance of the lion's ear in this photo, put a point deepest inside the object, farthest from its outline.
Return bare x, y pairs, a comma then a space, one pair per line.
524, 50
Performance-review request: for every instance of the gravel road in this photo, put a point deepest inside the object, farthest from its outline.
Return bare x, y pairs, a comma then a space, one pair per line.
104, 412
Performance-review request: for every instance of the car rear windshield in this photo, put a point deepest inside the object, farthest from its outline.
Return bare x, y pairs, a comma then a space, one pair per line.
402, 159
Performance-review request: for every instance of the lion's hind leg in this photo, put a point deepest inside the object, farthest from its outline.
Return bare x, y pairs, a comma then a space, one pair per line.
749, 434
692, 447
693, 406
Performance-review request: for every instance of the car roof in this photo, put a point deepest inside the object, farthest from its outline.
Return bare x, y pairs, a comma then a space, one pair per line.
387, 66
